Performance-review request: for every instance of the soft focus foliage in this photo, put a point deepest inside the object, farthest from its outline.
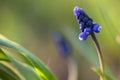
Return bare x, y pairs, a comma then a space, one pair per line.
34, 69
31, 23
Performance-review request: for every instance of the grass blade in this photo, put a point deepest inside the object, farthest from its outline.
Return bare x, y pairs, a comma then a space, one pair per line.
32, 60
103, 75
3, 57
26, 71
7, 74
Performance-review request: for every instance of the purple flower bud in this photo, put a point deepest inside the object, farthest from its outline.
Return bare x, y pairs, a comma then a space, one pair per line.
89, 23
78, 11
82, 26
82, 29
80, 17
85, 19
83, 36
96, 28
88, 31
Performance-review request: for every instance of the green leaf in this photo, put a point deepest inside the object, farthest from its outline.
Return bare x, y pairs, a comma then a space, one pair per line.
7, 74
32, 60
3, 57
103, 75
26, 71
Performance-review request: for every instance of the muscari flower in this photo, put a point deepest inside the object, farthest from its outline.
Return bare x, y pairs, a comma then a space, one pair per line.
63, 46
87, 26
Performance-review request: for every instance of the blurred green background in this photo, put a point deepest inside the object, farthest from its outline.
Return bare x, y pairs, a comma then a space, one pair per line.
31, 23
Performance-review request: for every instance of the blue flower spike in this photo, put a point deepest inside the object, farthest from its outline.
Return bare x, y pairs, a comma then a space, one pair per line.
87, 26
63, 46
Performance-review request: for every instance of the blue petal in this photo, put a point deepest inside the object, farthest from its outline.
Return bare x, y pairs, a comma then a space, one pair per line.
77, 11
89, 23
83, 36
80, 17
85, 19
96, 28
88, 30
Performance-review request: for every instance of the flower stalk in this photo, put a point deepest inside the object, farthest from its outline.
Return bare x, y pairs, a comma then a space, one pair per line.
87, 28
99, 53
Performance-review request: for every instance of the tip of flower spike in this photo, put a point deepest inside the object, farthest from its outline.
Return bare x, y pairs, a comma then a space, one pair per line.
96, 28
83, 36
77, 10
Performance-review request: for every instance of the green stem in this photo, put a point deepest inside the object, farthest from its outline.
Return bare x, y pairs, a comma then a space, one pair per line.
99, 53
